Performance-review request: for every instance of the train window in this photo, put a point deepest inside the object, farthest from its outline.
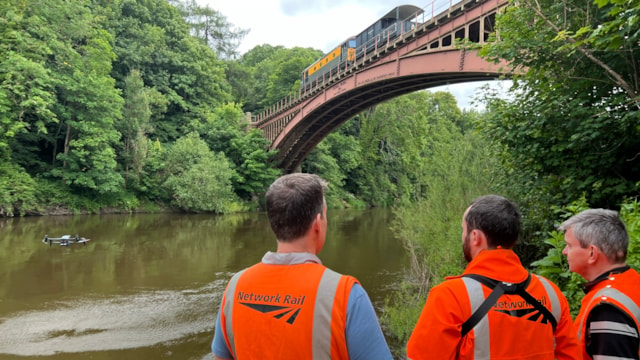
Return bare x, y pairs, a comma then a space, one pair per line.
352, 43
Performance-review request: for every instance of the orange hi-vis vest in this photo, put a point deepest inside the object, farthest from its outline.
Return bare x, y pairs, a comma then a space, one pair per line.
620, 290
286, 312
544, 294
512, 329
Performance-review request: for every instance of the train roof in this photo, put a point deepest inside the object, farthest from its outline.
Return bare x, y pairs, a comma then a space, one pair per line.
403, 12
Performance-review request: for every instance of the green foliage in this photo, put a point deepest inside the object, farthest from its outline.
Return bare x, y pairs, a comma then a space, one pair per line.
400, 320
571, 128
252, 164
322, 162
149, 185
227, 131
152, 36
65, 69
267, 74
198, 179
630, 214
135, 125
395, 140
17, 190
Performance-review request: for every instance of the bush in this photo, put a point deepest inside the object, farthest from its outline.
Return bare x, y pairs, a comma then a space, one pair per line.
17, 190
198, 179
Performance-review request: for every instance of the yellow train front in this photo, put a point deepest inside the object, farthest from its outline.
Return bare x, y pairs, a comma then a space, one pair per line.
399, 20
336, 60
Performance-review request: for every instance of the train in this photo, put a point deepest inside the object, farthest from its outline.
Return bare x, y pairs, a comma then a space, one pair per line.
394, 23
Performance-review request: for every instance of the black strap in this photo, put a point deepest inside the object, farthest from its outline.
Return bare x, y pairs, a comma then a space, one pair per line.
500, 288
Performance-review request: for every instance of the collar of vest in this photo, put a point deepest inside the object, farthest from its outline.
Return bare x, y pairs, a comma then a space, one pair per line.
500, 264
619, 270
273, 258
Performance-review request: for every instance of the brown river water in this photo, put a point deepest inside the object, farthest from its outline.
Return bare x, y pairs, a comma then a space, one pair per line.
149, 286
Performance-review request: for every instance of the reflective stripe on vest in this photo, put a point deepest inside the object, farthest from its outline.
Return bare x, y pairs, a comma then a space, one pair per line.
481, 346
553, 298
481, 330
321, 315
616, 295
228, 310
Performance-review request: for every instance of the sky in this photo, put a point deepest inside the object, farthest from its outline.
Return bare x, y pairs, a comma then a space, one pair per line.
322, 25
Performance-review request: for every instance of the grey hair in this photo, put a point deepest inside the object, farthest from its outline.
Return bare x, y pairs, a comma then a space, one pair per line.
602, 228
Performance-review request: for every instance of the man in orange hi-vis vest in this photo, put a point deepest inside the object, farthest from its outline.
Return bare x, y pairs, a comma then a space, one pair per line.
496, 309
608, 321
290, 306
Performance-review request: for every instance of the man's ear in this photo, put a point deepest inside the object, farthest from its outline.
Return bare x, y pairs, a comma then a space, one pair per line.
593, 254
477, 237
315, 226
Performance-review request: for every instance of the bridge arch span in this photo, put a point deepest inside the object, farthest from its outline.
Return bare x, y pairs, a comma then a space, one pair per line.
422, 58
317, 118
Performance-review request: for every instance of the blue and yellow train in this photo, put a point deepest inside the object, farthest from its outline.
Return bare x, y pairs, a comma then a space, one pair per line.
396, 22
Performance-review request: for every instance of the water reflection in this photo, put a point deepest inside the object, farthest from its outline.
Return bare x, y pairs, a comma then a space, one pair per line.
96, 323
148, 286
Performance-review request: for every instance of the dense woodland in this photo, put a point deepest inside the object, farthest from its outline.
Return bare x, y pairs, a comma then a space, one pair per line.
139, 105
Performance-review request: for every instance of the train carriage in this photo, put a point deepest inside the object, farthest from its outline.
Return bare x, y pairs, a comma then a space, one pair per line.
397, 21
337, 59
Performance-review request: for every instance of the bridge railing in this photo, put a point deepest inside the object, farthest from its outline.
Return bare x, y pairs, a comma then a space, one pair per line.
365, 53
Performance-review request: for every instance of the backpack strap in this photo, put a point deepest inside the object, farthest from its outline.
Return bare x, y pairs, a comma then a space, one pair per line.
500, 288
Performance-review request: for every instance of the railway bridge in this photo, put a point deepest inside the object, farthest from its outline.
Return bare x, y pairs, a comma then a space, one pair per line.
421, 57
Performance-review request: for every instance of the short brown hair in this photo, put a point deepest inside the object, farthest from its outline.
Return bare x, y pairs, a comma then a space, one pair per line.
293, 201
497, 217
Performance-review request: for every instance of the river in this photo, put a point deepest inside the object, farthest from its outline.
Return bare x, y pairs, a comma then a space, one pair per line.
148, 286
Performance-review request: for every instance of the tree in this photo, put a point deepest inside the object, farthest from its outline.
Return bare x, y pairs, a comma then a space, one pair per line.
62, 99
227, 130
252, 164
198, 179
135, 124
212, 28
152, 37
395, 138
267, 74
572, 127
88, 104
26, 83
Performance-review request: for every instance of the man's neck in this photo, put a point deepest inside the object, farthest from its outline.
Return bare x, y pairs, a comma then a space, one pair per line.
603, 269
296, 246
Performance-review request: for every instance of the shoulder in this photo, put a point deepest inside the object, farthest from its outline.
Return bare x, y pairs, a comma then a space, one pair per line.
609, 312
357, 295
454, 293
234, 279
454, 284
548, 284
347, 281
